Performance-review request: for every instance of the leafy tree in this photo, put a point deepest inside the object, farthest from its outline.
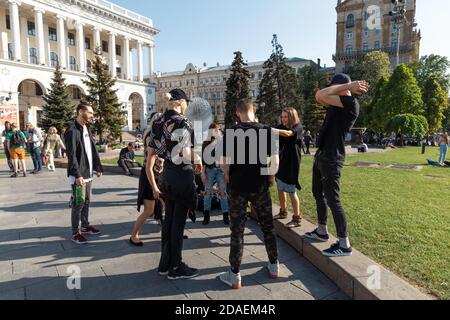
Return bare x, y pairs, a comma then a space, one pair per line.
237, 88
311, 80
110, 118
435, 102
432, 67
375, 116
400, 95
58, 110
408, 124
371, 67
279, 87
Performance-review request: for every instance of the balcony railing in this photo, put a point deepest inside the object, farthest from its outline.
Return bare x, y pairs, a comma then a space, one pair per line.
361, 53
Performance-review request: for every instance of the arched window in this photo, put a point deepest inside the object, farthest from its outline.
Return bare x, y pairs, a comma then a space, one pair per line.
350, 21
349, 50
53, 59
72, 63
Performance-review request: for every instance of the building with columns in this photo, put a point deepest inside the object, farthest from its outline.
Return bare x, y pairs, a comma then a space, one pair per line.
209, 83
365, 25
36, 35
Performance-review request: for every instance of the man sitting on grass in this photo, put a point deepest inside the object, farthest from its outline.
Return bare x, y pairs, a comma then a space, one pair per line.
126, 159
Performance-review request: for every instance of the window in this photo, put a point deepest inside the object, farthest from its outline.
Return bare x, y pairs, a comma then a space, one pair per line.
193, 82
366, 32
260, 75
377, 32
88, 66
71, 39
87, 43
72, 63
75, 92
8, 22
349, 50
10, 51
365, 47
394, 44
105, 46
52, 36
53, 59
31, 28
377, 45
33, 56
350, 21
118, 50
119, 72
366, 15
349, 35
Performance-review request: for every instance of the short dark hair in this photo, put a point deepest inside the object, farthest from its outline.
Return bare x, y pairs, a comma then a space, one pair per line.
83, 105
244, 105
130, 144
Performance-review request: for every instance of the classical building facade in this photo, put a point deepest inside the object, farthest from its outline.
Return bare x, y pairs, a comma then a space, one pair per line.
210, 83
365, 25
37, 35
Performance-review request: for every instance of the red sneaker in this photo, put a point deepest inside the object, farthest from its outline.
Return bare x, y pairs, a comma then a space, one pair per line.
90, 230
79, 239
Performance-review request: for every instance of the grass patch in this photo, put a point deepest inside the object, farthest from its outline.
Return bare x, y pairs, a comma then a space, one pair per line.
399, 218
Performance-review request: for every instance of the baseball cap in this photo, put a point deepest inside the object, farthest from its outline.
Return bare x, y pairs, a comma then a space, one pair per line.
178, 94
340, 78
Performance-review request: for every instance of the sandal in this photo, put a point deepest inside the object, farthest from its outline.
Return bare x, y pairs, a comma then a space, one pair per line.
294, 223
282, 215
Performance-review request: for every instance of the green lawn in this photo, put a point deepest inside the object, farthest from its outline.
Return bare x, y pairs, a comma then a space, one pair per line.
139, 159
399, 218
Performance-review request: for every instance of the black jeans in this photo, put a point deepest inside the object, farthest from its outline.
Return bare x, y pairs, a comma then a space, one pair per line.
81, 211
8, 157
326, 186
172, 235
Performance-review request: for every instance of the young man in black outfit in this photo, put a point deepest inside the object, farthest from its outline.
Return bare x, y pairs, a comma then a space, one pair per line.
342, 112
126, 159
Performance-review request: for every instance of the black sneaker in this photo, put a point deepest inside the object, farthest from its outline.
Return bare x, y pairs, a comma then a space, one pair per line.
14, 175
182, 272
337, 251
206, 218
316, 236
226, 219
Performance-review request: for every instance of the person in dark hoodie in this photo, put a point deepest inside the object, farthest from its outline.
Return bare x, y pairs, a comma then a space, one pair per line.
83, 162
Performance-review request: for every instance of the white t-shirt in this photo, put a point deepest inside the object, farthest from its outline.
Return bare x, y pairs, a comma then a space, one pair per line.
88, 148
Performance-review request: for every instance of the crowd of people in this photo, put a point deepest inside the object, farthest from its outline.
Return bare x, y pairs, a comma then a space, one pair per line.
228, 171
42, 148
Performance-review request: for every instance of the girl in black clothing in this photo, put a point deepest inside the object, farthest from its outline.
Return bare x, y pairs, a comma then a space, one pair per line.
289, 169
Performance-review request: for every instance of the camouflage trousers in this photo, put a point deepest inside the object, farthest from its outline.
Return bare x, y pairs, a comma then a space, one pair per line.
262, 204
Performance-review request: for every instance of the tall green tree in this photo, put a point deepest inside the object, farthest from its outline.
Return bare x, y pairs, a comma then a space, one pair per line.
110, 119
432, 67
408, 124
400, 95
435, 103
237, 88
371, 67
58, 110
311, 80
376, 118
279, 87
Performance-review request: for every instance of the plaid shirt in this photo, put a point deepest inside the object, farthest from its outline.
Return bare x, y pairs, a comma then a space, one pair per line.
168, 131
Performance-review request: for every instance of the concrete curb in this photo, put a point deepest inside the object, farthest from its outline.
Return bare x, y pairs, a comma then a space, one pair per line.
357, 276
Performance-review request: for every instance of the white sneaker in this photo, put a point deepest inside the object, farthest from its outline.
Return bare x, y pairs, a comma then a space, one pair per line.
274, 270
231, 279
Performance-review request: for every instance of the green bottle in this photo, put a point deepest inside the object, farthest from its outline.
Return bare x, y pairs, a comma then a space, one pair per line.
79, 195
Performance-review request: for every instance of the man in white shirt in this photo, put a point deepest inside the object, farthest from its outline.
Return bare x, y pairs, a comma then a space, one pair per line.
83, 161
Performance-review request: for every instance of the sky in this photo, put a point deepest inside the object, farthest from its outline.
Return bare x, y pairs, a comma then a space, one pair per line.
200, 31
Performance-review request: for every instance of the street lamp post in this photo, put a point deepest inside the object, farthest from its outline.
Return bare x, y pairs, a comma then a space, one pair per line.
398, 17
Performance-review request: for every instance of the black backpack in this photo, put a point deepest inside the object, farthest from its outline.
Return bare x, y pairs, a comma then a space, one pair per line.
17, 140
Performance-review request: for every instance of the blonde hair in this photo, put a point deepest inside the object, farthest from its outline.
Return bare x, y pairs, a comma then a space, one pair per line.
52, 130
445, 136
293, 118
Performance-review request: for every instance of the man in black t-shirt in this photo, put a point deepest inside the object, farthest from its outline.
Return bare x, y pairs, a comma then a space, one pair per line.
342, 112
246, 149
